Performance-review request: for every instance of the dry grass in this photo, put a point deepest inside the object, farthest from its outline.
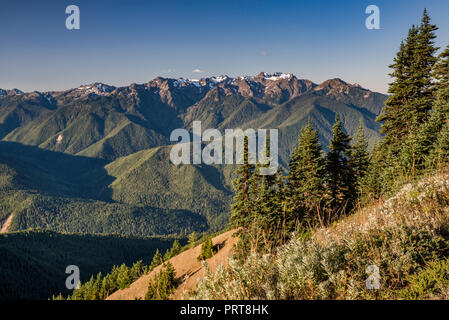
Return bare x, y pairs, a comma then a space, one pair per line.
187, 267
4, 225
418, 204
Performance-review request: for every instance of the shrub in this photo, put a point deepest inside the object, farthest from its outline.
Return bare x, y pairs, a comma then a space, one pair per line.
207, 249
163, 284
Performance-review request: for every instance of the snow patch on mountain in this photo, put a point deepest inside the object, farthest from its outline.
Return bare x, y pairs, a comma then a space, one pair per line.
277, 76
11, 92
96, 88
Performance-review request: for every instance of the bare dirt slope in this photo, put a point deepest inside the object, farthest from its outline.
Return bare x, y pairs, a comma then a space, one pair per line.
4, 225
188, 270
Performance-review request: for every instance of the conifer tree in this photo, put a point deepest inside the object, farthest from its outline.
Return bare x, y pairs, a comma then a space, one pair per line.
167, 282
242, 205
157, 260
193, 238
435, 137
305, 179
422, 69
123, 278
422, 141
269, 214
338, 173
412, 91
272, 207
105, 288
207, 249
137, 270
406, 112
396, 116
359, 160
163, 284
175, 249
439, 156
371, 185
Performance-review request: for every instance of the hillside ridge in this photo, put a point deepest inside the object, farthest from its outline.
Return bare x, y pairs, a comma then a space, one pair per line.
187, 267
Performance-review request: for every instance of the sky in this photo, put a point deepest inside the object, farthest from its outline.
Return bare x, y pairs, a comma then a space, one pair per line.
124, 42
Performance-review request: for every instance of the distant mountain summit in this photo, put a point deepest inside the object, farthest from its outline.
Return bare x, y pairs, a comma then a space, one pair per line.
104, 121
11, 92
96, 158
276, 87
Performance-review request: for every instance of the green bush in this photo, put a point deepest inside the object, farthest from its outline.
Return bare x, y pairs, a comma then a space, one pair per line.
207, 249
163, 284
432, 281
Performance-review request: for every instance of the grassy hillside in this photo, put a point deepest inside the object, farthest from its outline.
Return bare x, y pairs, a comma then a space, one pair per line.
33, 263
405, 237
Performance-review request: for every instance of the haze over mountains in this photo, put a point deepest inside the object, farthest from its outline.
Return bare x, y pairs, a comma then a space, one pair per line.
95, 159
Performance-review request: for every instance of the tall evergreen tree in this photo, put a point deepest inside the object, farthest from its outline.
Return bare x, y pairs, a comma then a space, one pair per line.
395, 116
422, 69
242, 205
359, 160
371, 185
439, 121
407, 110
157, 260
338, 172
423, 139
305, 179
412, 91
271, 202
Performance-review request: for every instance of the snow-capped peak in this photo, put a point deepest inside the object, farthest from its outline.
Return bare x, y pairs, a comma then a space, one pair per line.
219, 79
181, 81
14, 91
247, 78
96, 88
277, 76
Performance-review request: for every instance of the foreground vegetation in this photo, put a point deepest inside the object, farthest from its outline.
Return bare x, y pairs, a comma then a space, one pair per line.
405, 237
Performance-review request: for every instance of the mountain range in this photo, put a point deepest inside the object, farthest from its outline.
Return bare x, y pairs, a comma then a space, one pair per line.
95, 159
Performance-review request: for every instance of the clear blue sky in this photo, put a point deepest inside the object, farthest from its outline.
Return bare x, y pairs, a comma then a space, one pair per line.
121, 42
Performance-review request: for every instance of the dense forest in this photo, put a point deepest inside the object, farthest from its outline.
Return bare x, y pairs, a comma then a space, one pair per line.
33, 262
